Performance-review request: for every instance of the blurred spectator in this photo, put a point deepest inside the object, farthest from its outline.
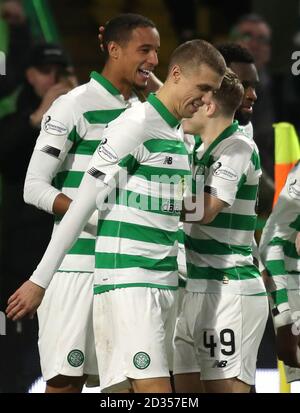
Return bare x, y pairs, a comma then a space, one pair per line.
25, 231
19, 45
254, 33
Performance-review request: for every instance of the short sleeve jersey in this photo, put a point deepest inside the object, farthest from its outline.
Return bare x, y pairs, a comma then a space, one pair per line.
219, 254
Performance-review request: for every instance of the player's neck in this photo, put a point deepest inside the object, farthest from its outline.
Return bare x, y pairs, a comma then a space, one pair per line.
166, 98
213, 128
117, 81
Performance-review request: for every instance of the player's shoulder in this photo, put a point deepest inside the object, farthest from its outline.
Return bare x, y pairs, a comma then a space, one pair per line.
239, 140
71, 100
136, 114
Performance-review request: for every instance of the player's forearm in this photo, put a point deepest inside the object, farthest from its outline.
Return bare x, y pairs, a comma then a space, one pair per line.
203, 210
273, 257
61, 204
70, 227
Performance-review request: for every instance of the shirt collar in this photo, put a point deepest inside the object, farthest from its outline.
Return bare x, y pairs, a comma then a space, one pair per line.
163, 111
105, 83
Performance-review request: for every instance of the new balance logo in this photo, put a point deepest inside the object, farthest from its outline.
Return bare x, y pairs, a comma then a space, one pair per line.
220, 363
168, 160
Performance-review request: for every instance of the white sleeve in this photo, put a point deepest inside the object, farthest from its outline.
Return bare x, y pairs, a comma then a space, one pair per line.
91, 194
227, 171
38, 190
120, 138
58, 129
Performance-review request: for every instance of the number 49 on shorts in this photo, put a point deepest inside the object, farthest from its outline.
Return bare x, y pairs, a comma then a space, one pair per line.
225, 341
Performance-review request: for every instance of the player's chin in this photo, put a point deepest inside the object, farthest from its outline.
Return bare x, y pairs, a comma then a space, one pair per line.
141, 85
243, 117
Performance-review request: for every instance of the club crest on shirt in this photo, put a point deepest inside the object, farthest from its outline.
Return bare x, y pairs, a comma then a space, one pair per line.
54, 127
294, 190
224, 172
106, 152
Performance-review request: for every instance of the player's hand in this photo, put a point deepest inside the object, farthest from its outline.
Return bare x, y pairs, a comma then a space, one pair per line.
297, 243
52, 94
100, 37
25, 301
287, 346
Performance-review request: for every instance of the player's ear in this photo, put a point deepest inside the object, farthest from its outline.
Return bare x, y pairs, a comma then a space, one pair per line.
175, 73
113, 49
211, 108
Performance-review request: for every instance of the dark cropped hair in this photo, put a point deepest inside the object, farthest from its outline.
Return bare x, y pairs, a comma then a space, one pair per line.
119, 29
234, 53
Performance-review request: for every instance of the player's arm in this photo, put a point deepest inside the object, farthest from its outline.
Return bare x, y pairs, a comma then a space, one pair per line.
96, 185
28, 297
275, 281
222, 183
275, 234
51, 149
212, 206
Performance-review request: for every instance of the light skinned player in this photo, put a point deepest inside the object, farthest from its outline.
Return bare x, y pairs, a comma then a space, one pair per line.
225, 306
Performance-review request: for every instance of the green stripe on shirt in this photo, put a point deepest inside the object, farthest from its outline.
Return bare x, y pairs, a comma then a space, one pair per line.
165, 145
234, 221
234, 273
102, 116
68, 179
105, 260
108, 228
210, 246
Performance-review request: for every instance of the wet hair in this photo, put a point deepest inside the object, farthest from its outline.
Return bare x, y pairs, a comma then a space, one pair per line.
234, 53
120, 28
196, 52
230, 94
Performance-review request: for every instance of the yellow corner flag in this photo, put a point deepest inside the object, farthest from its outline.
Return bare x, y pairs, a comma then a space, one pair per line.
287, 153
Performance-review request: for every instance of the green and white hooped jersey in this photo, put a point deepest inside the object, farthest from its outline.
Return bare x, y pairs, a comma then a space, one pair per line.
137, 233
71, 131
219, 254
190, 142
277, 245
247, 130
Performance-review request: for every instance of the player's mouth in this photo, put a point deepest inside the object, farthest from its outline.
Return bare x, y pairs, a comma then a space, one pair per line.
247, 108
144, 74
